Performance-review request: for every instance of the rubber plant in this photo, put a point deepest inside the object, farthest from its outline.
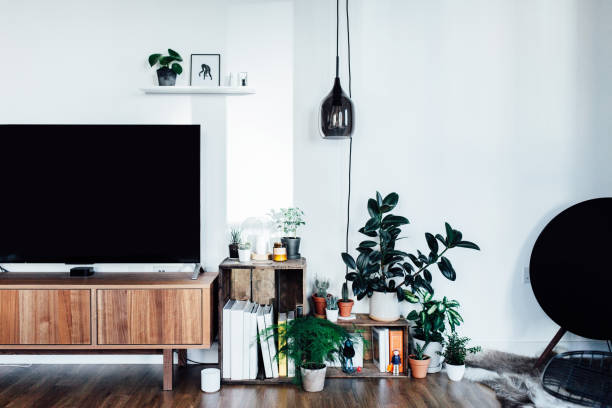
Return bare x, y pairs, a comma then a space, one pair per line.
379, 261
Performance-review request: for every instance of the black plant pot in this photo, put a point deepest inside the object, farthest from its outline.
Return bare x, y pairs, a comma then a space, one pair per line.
233, 250
167, 77
293, 247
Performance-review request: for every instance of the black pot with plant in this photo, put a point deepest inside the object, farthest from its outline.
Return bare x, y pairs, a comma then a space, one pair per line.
288, 220
166, 74
379, 261
235, 240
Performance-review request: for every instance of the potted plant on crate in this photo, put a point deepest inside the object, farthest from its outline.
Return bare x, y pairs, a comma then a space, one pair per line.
331, 310
345, 304
431, 324
288, 220
382, 272
419, 362
454, 355
311, 343
319, 295
244, 252
235, 240
166, 74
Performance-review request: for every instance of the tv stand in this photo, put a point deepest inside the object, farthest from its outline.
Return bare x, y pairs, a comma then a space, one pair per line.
108, 313
81, 271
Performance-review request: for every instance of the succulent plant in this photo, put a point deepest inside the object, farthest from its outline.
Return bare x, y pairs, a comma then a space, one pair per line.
321, 286
331, 303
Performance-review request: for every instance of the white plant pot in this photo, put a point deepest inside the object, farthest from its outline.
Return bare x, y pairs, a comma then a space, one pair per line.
313, 380
384, 307
244, 255
431, 350
455, 372
332, 315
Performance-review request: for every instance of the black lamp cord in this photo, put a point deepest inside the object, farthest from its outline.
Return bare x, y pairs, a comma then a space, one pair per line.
348, 200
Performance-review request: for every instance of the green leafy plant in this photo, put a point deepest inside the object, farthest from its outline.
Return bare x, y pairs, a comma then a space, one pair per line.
345, 293
244, 245
379, 261
288, 220
235, 236
331, 303
456, 350
321, 286
173, 58
311, 342
419, 352
431, 319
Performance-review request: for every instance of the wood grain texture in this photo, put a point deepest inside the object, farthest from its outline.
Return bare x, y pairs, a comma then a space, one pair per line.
39, 316
229, 263
120, 386
149, 316
168, 370
241, 284
263, 285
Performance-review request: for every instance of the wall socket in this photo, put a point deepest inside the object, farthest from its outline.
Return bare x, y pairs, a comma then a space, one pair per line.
526, 277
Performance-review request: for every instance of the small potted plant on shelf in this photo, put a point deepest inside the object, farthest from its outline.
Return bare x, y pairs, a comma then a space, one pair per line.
431, 324
319, 295
331, 311
166, 74
288, 220
419, 362
235, 240
244, 252
382, 272
345, 304
454, 355
311, 343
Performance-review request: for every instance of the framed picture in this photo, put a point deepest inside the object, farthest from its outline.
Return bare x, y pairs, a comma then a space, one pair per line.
205, 70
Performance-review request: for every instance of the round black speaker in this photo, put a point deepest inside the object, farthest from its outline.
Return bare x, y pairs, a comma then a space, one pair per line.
571, 269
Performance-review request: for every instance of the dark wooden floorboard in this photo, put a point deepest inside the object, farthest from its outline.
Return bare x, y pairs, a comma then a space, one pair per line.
141, 386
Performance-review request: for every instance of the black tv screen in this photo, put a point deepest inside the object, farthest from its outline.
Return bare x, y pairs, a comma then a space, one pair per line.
82, 194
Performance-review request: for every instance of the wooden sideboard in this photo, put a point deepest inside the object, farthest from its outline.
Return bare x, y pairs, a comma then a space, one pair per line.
108, 313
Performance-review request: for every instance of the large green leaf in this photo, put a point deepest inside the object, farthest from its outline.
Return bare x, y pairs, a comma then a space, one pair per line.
379, 199
174, 54
441, 239
400, 293
165, 61
427, 275
468, 244
391, 200
373, 208
450, 235
177, 68
351, 276
391, 220
368, 233
431, 242
349, 261
368, 244
410, 297
372, 224
153, 58
447, 269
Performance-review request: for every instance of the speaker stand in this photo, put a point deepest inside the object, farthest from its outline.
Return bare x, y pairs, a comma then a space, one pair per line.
544, 357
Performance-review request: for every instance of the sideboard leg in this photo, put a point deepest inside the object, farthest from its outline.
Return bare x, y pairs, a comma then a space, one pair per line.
168, 368
182, 358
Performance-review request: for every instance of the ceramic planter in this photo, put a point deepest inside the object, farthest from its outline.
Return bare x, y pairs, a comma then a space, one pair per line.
319, 304
313, 380
384, 307
233, 250
293, 247
431, 350
332, 315
166, 77
345, 307
455, 372
418, 368
244, 255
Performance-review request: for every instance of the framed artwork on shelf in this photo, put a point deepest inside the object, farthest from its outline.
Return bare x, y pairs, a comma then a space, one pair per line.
205, 70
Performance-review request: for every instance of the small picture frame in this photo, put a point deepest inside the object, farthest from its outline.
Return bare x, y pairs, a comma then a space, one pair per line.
205, 70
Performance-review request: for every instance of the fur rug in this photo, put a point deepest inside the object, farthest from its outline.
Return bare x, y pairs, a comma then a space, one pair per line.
513, 379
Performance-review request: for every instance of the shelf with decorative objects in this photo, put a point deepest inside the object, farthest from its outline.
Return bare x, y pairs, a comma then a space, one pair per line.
217, 90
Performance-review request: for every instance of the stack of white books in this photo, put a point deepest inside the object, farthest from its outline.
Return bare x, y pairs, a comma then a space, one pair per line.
380, 348
242, 343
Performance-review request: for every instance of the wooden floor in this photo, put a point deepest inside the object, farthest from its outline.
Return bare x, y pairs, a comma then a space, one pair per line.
140, 386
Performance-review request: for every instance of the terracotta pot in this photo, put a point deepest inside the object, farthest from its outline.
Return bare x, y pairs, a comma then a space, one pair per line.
345, 307
320, 304
435, 360
418, 368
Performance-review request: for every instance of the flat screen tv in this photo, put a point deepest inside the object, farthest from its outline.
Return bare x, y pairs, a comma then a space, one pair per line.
84, 194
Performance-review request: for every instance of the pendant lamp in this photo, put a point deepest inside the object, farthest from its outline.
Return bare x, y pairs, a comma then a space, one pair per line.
336, 116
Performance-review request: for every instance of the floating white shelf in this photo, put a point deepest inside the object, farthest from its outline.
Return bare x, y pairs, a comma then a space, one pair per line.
224, 90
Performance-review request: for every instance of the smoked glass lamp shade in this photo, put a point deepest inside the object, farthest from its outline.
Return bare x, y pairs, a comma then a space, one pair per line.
336, 116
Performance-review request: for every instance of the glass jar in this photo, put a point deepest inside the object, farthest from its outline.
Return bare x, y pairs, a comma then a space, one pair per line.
279, 253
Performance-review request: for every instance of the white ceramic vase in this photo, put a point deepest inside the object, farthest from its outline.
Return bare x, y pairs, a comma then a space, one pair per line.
384, 307
455, 372
332, 315
244, 255
313, 380
431, 350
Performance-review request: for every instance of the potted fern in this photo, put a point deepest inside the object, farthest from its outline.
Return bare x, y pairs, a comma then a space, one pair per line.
288, 220
169, 67
331, 311
454, 355
235, 240
319, 296
310, 344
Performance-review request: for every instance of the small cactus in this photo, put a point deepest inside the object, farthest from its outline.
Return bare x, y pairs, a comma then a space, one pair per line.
320, 287
345, 293
332, 303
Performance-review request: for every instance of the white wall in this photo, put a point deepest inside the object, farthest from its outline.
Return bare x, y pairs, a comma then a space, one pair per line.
492, 115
